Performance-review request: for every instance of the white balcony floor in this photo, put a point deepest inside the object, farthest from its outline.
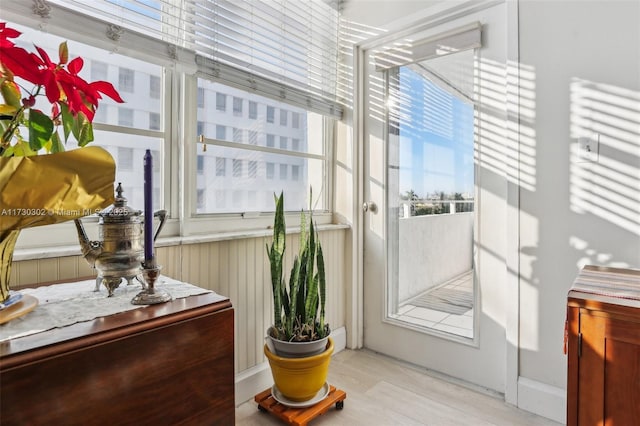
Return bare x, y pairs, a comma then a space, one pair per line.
459, 324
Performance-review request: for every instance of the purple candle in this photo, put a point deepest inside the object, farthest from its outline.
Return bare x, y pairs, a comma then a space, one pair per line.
148, 207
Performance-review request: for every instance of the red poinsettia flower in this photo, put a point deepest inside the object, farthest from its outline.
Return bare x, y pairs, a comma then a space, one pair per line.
82, 96
7, 33
73, 100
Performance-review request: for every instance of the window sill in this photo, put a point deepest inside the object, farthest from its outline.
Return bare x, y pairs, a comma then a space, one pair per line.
74, 249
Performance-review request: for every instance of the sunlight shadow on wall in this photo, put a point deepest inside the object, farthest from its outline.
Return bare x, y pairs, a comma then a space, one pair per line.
609, 186
351, 33
513, 154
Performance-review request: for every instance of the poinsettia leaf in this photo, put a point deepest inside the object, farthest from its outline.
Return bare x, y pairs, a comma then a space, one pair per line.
67, 120
21, 149
44, 56
82, 130
40, 129
8, 152
56, 143
75, 66
63, 52
106, 88
22, 64
9, 32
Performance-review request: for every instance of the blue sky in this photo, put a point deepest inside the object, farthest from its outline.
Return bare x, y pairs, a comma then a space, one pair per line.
436, 138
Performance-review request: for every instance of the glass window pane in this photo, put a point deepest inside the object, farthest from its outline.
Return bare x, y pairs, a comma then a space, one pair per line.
221, 102
306, 138
237, 135
253, 137
221, 132
128, 152
125, 158
154, 87
266, 173
99, 71
263, 172
200, 164
200, 97
271, 170
125, 117
126, 80
221, 166
201, 200
154, 121
237, 168
253, 110
237, 106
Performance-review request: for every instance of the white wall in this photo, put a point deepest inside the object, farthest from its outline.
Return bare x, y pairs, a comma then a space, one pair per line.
582, 74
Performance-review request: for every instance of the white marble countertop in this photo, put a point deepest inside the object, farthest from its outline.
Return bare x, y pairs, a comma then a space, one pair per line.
60, 305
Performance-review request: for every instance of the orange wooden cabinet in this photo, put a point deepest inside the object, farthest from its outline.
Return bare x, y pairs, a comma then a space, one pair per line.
165, 364
603, 386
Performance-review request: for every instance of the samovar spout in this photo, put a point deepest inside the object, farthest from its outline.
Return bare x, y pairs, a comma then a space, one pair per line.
90, 249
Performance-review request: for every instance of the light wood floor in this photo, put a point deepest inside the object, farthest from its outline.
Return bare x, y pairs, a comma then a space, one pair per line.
382, 392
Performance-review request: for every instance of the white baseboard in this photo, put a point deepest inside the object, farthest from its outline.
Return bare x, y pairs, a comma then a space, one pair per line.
542, 399
256, 379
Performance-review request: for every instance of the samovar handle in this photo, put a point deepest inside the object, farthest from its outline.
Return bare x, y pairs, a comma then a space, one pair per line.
162, 214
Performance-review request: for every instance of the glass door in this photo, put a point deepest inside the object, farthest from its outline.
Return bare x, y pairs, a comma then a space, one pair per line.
431, 186
434, 220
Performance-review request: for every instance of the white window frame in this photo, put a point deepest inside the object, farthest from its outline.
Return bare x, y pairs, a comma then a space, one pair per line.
178, 171
193, 223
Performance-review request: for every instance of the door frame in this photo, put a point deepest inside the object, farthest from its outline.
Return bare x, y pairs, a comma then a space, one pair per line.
432, 17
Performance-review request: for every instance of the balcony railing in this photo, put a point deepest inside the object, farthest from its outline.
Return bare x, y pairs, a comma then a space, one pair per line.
423, 207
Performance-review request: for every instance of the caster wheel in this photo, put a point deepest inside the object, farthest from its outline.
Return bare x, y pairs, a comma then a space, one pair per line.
339, 405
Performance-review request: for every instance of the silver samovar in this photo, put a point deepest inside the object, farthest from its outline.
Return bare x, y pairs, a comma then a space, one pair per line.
120, 252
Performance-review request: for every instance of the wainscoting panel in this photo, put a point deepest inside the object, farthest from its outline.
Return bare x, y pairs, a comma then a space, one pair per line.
237, 268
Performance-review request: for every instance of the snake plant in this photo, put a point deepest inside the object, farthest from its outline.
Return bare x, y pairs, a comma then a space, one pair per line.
299, 303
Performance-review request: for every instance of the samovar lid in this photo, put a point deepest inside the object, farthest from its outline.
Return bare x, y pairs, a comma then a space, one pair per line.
119, 211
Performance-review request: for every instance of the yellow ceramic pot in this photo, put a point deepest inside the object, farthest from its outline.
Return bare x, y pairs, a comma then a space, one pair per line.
299, 379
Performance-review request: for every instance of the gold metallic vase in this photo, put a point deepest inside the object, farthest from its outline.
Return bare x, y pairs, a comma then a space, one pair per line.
7, 244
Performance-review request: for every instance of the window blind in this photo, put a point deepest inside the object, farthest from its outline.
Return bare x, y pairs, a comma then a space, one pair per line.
292, 43
165, 20
286, 49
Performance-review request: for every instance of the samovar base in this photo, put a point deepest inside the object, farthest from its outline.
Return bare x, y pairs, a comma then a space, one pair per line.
112, 283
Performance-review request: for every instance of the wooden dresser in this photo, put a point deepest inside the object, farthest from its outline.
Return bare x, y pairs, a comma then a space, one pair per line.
166, 364
603, 319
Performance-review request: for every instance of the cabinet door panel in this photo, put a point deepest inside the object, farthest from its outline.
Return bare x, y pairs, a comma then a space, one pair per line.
622, 373
591, 371
609, 371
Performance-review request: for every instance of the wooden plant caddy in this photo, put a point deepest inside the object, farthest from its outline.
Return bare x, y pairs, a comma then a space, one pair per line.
299, 416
